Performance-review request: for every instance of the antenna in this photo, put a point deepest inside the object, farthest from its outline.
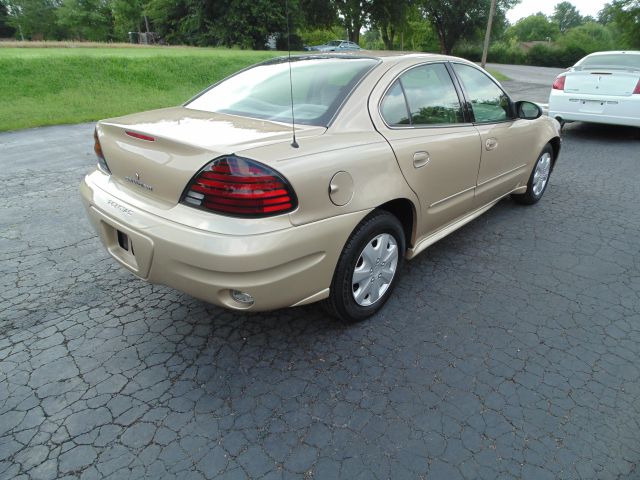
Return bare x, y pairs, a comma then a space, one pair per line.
294, 144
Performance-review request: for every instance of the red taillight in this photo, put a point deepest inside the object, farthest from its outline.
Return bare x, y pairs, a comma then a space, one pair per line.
558, 83
636, 91
140, 136
240, 187
96, 145
102, 162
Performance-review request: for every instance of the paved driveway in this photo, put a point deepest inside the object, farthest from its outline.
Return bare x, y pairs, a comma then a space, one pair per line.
526, 82
510, 348
524, 73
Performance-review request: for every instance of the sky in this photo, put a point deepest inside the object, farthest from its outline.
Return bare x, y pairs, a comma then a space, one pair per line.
530, 7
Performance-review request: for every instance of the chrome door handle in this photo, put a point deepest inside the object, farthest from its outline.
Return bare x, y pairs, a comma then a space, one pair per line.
420, 159
491, 143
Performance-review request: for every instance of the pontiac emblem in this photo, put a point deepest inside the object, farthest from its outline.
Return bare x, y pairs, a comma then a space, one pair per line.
136, 181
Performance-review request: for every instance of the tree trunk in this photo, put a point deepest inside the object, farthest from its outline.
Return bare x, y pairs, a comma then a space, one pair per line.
442, 37
443, 42
384, 33
354, 34
391, 36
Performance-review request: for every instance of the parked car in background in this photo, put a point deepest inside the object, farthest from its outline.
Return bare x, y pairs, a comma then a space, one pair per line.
393, 153
603, 87
335, 46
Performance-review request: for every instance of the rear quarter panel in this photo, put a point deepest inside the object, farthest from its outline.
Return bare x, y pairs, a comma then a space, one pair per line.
364, 155
351, 144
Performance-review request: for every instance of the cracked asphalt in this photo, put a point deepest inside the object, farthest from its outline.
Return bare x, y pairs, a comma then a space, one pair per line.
509, 350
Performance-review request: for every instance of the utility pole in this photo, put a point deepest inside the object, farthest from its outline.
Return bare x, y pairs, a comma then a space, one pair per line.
487, 36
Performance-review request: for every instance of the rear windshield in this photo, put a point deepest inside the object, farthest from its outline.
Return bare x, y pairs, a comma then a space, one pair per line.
612, 60
320, 85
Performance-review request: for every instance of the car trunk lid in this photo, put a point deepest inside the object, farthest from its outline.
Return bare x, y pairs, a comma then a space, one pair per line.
157, 153
601, 81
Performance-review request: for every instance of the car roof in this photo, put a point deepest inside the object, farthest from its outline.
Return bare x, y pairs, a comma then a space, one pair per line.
389, 57
609, 52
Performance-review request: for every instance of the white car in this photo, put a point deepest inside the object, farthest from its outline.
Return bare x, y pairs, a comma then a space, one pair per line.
603, 87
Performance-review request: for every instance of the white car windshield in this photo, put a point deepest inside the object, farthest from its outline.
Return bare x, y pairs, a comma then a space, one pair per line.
320, 85
611, 60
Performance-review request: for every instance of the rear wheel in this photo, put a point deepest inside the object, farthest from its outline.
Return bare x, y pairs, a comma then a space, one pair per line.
539, 178
368, 268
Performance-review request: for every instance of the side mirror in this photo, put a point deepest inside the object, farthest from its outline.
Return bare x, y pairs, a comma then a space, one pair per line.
528, 110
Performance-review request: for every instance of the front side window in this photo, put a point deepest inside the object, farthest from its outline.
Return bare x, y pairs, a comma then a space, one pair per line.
319, 87
429, 95
488, 102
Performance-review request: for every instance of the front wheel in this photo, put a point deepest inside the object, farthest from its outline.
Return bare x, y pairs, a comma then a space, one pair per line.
539, 178
368, 268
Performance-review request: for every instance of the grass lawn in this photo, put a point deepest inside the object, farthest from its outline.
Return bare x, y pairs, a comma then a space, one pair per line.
62, 83
497, 75
51, 86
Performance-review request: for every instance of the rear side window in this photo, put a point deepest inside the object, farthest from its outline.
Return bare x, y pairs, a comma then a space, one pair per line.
394, 106
424, 95
488, 102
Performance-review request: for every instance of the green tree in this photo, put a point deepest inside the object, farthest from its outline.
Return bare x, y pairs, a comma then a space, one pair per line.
455, 20
128, 16
86, 19
6, 30
566, 16
318, 14
245, 23
178, 21
389, 16
624, 17
354, 15
248, 23
418, 34
36, 19
534, 27
590, 37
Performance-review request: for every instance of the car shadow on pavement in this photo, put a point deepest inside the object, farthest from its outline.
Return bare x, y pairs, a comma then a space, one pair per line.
600, 132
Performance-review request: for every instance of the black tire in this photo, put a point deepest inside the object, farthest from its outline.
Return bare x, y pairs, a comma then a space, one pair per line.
530, 196
341, 302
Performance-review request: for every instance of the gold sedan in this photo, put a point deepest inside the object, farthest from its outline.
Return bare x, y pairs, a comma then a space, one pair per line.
230, 199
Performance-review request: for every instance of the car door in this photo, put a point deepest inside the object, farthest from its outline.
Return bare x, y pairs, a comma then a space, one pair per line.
507, 142
438, 151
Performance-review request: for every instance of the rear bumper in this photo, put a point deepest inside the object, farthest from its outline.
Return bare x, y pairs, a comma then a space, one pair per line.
613, 110
287, 267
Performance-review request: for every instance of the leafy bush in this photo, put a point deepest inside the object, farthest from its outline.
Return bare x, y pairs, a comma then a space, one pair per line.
295, 39
570, 48
470, 52
321, 36
591, 37
569, 55
372, 40
533, 27
554, 56
542, 55
501, 52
